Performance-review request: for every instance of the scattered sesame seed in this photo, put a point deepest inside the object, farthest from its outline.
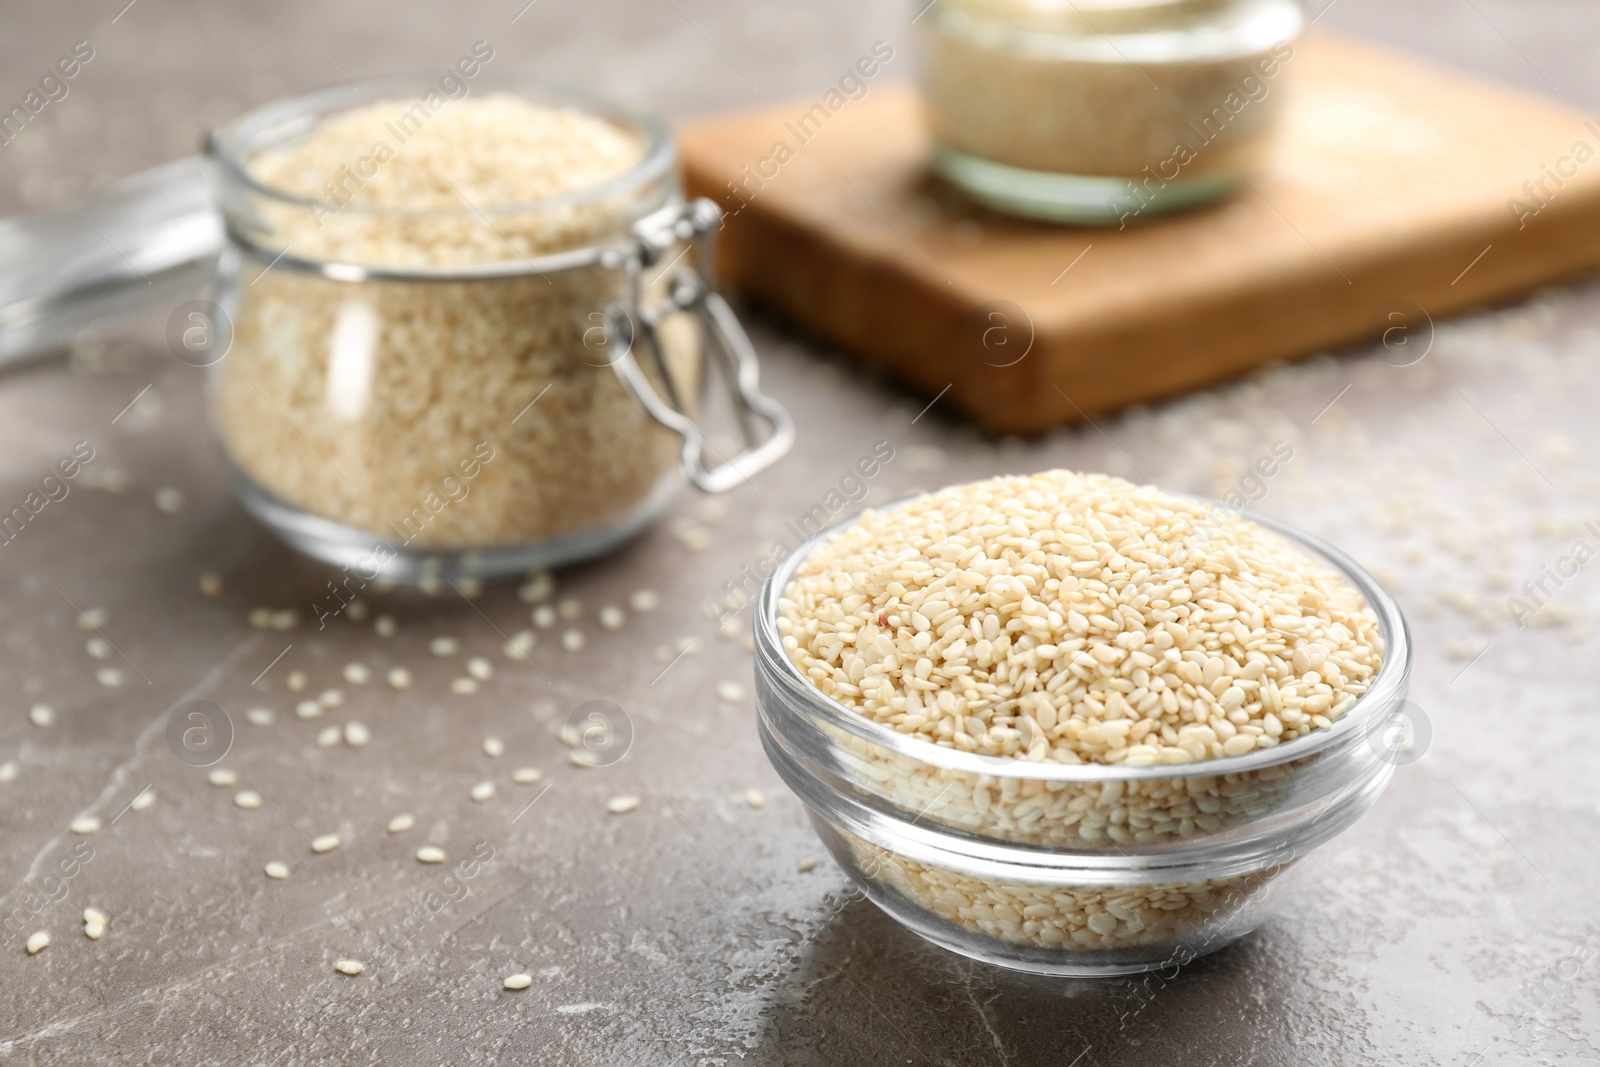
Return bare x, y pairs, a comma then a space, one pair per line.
351, 967
331, 698
385, 626
493, 747
399, 678
93, 618
308, 709
84, 824
357, 673
730, 692
482, 791
444, 646
222, 778
430, 854
572, 640
8, 772
621, 805
211, 585
527, 775
543, 616
328, 736
356, 611
806, 863
98, 647
356, 733
480, 668
539, 586
38, 942
401, 823
248, 799
145, 798
755, 798
384, 585
582, 757
277, 870
325, 843
259, 618
259, 716
297, 681
285, 619
748, 642
95, 915
613, 617
42, 715
520, 645
570, 608
713, 509
470, 587
730, 629
686, 646
169, 501
464, 687
94, 931
644, 600
517, 981
110, 677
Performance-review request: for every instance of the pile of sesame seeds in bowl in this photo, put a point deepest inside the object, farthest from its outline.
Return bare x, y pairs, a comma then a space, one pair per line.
1074, 665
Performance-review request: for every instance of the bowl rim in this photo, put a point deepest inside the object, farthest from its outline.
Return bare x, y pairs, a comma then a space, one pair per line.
1369, 713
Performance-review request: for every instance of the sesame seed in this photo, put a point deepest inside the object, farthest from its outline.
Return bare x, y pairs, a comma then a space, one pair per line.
84, 824
325, 843
493, 747
480, 668
110, 677
259, 618
385, 626
806, 863
211, 585
297, 681
613, 617
351, 967
539, 586
621, 805
38, 942
470, 587
308, 709
98, 647
464, 686
570, 608
143, 801
730, 692
543, 616
328, 736
248, 799
356, 733
222, 778
169, 501
277, 870
572, 640
94, 931
755, 798
42, 715
582, 757
357, 673
517, 981
527, 775
444, 646
331, 698
285, 619
482, 791
730, 629
93, 618
644, 600
401, 823
356, 611
520, 644
95, 915
259, 716
430, 854
8, 771
399, 678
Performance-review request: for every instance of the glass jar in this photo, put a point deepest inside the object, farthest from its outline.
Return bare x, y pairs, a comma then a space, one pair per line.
1100, 111
473, 390
1076, 869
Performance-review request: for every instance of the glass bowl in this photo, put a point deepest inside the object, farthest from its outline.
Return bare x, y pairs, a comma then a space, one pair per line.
1084, 869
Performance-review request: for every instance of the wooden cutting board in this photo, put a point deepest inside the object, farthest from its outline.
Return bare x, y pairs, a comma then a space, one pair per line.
1386, 202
